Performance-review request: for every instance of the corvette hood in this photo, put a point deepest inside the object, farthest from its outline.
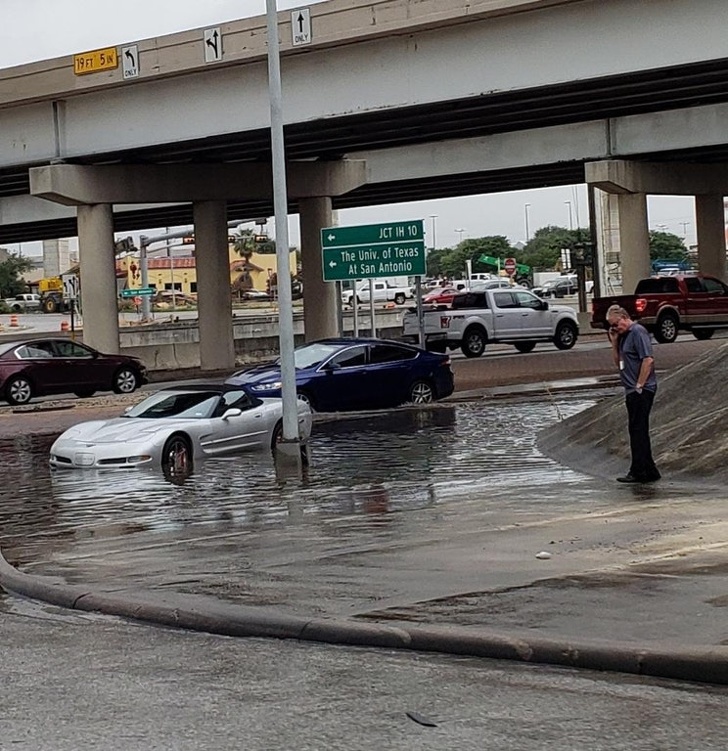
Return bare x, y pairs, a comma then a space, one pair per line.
120, 430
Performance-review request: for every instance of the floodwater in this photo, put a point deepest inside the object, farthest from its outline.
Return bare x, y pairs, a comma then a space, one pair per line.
390, 463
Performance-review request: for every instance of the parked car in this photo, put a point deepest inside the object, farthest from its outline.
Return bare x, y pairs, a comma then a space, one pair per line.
564, 285
40, 367
256, 295
176, 426
440, 296
356, 373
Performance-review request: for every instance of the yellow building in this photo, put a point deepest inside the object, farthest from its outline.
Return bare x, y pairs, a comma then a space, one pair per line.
180, 272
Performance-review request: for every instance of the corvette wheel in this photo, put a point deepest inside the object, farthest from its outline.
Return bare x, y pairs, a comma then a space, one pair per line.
177, 456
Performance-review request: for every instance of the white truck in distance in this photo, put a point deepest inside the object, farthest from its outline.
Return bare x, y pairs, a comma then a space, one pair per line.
385, 290
508, 316
24, 303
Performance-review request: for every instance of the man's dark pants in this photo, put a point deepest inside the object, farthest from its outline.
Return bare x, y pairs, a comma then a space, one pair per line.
638, 411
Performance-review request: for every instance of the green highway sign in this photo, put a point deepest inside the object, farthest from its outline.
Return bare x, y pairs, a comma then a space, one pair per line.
141, 292
373, 251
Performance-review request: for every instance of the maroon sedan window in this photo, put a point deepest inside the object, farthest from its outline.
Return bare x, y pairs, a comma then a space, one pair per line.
35, 351
72, 349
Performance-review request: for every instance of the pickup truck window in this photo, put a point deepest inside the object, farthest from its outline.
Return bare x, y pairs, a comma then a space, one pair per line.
469, 300
693, 284
657, 285
714, 287
527, 300
505, 300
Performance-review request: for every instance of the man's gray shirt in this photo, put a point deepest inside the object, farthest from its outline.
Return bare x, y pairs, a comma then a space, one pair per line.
634, 346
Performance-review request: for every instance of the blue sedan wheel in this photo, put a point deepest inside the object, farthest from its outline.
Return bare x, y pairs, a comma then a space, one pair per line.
421, 392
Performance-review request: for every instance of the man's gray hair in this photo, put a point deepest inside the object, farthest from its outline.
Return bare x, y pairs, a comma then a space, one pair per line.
616, 311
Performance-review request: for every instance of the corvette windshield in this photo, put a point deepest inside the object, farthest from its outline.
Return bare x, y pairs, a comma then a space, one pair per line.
189, 405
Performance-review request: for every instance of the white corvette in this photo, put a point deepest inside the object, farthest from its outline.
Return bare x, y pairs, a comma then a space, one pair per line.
174, 427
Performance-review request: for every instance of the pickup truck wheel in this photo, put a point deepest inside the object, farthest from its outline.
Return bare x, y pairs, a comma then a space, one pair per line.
399, 299
703, 334
666, 328
421, 392
474, 341
525, 346
566, 335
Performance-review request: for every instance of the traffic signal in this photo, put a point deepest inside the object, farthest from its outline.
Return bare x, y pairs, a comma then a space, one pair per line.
188, 240
260, 238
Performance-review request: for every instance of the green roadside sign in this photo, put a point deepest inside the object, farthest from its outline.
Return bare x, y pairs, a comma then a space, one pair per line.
141, 292
373, 251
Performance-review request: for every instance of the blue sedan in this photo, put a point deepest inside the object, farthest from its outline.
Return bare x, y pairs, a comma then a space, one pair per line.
335, 375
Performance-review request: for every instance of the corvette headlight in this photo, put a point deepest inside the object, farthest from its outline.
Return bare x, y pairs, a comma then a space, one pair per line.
276, 386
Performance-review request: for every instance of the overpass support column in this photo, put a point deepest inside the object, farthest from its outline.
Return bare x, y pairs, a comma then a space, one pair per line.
217, 349
319, 297
634, 238
98, 277
710, 225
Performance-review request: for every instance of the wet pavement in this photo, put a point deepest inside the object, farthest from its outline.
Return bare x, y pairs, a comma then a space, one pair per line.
438, 515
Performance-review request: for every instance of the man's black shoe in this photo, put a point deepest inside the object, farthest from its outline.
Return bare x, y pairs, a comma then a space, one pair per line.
628, 478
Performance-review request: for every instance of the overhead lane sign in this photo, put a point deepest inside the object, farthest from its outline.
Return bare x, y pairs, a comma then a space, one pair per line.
301, 26
373, 250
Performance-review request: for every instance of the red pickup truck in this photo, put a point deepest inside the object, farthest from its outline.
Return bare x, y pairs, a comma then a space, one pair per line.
665, 305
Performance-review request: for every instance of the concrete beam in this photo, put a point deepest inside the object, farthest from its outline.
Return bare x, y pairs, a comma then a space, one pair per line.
75, 185
657, 178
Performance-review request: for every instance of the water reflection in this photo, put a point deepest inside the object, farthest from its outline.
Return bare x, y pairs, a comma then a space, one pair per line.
366, 468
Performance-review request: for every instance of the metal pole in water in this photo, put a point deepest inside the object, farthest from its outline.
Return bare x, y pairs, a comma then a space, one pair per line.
290, 447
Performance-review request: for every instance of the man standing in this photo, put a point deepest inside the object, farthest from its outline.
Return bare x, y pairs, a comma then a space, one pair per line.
632, 353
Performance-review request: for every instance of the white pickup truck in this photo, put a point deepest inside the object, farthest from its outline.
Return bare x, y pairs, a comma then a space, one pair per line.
474, 319
24, 303
384, 291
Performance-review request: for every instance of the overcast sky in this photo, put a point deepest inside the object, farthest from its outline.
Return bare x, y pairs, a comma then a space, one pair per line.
40, 29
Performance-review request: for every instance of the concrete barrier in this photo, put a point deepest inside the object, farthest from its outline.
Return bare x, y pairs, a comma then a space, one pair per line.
173, 346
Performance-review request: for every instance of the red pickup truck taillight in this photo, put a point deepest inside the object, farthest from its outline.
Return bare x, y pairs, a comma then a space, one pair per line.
640, 304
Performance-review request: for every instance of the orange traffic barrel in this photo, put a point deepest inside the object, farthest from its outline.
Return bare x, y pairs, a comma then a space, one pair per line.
13, 320
64, 326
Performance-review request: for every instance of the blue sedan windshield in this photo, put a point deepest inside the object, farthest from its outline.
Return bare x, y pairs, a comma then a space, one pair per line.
313, 354
178, 404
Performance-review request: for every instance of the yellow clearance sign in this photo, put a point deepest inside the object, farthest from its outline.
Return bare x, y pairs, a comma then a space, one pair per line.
95, 61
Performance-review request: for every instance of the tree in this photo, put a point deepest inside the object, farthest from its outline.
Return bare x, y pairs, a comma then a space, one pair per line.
543, 250
452, 262
668, 246
11, 283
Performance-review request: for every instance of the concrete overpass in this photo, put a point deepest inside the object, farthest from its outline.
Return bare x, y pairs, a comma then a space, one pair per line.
410, 100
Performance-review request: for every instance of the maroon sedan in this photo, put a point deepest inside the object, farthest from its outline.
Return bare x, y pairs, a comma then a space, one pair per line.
55, 366
441, 296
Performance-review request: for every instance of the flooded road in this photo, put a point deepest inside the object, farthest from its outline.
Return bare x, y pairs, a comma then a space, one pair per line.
396, 510
389, 463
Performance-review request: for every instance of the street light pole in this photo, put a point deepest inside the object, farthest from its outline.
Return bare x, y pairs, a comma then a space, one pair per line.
290, 444
460, 235
434, 236
526, 207
571, 218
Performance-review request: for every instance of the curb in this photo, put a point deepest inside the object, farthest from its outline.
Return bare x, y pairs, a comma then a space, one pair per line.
198, 613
